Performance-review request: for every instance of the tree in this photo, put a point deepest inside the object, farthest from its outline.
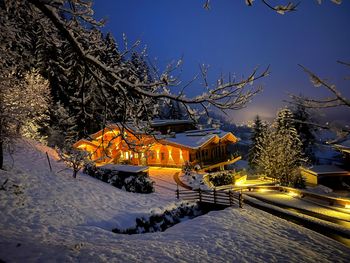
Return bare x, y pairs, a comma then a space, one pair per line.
254, 151
280, 9
24, 102
302, 123
336, 98
76, 159
69, 25
38, 98
280, 154
172, 110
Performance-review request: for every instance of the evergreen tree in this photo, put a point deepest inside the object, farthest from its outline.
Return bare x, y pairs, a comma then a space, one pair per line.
305, 130
172, 111
259, 128
280, 152
89, 77
285, 119
38, 96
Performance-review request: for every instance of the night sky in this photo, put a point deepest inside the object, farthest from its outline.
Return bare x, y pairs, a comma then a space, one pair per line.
234, 38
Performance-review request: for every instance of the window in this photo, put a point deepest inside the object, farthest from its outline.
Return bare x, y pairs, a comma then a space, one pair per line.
162, 156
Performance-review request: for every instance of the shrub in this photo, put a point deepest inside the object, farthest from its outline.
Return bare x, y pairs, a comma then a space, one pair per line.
140, 183
157, 222
299, 181
222, 178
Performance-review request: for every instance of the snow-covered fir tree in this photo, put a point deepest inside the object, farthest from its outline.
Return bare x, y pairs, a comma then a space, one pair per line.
280, 152
305, 129
258, 130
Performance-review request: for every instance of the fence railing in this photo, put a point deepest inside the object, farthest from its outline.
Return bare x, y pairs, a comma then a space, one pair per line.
303, 193
217, 197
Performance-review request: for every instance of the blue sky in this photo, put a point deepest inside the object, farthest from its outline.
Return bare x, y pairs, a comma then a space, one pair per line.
234, 38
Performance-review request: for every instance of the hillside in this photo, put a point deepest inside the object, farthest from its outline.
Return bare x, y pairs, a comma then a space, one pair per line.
53, 217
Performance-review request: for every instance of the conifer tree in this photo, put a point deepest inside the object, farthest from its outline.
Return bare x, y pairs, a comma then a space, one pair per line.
258, 131
280, 151
305, 130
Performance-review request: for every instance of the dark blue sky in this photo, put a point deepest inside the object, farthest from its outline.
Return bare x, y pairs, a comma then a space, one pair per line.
234, 38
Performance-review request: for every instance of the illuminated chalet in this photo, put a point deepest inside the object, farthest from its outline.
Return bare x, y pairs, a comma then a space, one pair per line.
172, 144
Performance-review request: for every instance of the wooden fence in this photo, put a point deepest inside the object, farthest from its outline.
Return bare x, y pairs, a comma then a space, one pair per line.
216, 197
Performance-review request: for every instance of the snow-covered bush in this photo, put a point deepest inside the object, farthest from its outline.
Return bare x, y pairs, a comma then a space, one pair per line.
136, 183
299, 181
73, 158
158, 222
187, 168
222, 178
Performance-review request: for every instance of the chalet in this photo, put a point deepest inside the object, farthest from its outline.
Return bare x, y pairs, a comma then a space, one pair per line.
334, 176
172, 143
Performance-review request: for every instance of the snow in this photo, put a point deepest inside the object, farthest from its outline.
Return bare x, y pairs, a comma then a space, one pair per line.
239, 165
345, 144
197, 180
125, 168
306, 204
53, 217
158, 122
197, 138
327, 169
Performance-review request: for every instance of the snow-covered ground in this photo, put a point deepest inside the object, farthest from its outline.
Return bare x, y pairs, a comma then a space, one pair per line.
305, 204
53, 217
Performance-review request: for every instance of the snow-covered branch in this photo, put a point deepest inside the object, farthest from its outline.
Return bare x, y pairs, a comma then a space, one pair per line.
336, 99
231, 91
289, 6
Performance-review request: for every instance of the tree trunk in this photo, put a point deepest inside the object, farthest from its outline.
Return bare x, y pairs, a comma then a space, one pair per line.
75, 173
1, 154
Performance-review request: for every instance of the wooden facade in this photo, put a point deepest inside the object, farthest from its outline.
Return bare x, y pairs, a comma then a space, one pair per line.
107, 146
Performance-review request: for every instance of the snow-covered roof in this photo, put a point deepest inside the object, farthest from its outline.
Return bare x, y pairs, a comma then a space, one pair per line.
192, 139
327, 170
125, 168
158, 123
343, 146
195, 139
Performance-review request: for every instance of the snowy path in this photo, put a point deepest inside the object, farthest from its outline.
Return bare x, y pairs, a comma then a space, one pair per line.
49, 217
294, 202
164, 180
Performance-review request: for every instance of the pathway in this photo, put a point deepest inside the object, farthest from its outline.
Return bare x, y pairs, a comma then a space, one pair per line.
164, 179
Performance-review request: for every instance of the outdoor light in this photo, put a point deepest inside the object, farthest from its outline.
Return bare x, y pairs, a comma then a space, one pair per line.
293, 194
263, 190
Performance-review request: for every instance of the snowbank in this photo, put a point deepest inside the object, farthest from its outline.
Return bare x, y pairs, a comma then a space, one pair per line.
53, 217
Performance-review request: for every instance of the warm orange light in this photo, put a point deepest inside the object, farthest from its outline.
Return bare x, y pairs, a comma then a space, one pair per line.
170, 160
241, 180
82, 146
293, 194
116, 133
262, 190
